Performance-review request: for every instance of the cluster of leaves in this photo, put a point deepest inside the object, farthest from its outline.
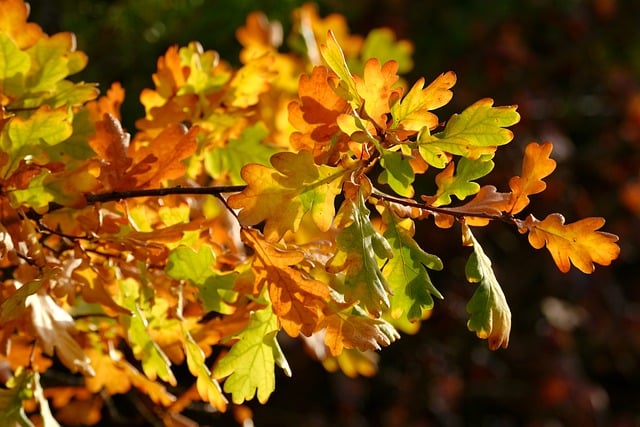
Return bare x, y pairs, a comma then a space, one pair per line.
274, 197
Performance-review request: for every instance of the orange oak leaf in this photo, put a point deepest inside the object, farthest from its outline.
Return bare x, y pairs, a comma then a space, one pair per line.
376, 88
258, 36
314, 117
536, 165
578, 243
298, 300
143, 163
109, 103
111, 144
13, 21
166, 152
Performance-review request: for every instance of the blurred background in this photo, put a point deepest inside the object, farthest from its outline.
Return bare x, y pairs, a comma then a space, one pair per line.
573, 68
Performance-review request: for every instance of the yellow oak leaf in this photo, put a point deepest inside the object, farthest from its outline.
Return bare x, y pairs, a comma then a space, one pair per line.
346, 330
536, 165
578, 243
412, 113
13, 21
298, 300
377, 89
281, 196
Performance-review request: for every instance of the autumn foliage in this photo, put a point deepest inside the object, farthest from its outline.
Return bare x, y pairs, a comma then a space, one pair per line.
277, 197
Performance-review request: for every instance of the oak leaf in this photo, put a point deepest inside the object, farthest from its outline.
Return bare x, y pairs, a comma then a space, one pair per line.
376, 88
358, 250
298, 300
412, 112
13, 21
406, 272
579, 243
535, 166
282, 195
249, 365
353, 329
490, 316
54, 326
314, 117
478, 130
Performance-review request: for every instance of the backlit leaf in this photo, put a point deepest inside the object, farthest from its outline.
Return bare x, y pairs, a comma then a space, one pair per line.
406, 272
298, 300
334, 57
281, 196
579, 243
377, 91
535, 166
412, 111
353, 329
249, 366
461, 183
225, 163
13, 21
397, 172
358, 246
215, 288
490, 314
154, 362
208, 387
478, 130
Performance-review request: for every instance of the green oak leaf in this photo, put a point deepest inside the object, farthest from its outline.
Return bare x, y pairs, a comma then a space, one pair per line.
478, 130
406, 272
397, 173
461, 183
14, 65
19, 388
249, 365
228, 161
215, 288
490, 313
154, 361
381, 43
358, 246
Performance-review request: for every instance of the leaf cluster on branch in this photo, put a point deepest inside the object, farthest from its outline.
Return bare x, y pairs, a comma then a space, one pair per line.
277, 197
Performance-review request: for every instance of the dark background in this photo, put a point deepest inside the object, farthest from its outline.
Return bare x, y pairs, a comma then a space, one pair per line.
573, 68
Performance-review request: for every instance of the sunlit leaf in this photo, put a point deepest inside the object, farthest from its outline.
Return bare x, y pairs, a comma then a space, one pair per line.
297, 299
154, 362
460, 183
579, 243
406, 273
282, 195
358, 246
490, 316
478, 130
249, 366
377, 91
412, 111
536, 165
208, 387
225, 163
215, 288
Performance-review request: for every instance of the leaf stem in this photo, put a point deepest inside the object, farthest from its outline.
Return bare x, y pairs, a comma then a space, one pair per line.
454, 212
